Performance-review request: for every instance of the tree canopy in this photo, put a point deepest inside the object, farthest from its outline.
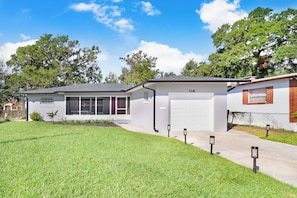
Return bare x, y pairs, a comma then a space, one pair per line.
111, 78
141, 68
53, 61
262, 44
194, 68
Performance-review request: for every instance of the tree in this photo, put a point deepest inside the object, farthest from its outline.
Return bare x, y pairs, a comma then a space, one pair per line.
142, 68
5, 95
258, 45
166, 74
3, 72
54, 61
111, 78
194, 68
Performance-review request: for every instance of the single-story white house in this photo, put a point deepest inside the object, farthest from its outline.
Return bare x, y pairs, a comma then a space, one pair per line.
195, 103
267, 101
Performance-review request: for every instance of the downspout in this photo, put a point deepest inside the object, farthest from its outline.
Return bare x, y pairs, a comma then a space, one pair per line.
27, 108
154, 113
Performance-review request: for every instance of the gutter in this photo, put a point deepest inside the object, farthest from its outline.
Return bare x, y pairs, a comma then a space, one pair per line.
154, 114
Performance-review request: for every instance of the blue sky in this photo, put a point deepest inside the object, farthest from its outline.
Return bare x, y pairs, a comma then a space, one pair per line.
173, 31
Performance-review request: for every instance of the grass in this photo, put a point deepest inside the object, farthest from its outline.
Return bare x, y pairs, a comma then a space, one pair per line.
49, 160
277, 135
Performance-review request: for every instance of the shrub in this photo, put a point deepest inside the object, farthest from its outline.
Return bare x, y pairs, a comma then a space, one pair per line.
36, 116
52, 115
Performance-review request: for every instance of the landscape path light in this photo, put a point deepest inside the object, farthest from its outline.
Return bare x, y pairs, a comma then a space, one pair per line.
254, 155
267, 129
168, 129
211, 142
185, 134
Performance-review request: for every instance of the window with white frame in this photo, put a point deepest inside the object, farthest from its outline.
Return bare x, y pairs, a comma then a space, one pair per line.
258, 96
87, 106
72, 105
121, 105
103, 105
97, 105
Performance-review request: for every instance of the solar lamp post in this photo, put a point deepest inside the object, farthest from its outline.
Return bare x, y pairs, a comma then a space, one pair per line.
254, 155
267, 129
211, 142
168, 129
185, 134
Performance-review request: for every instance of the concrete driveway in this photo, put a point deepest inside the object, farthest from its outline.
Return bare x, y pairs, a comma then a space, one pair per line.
277, 160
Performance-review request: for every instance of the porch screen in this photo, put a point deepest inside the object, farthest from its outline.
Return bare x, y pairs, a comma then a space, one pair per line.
72, 105
103, 106
88, 106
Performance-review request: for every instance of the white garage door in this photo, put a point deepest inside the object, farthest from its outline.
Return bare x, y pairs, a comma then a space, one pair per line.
195, 115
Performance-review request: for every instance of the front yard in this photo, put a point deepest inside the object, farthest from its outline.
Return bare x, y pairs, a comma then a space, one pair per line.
277, 135
51, 160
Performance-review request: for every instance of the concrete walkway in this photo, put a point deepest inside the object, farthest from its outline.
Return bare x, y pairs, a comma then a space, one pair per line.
277, 160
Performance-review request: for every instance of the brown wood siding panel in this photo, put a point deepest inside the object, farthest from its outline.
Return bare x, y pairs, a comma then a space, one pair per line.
245, 96
293, 99
269, 95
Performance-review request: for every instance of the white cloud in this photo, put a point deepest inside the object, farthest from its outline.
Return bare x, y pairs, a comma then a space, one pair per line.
148, 8
25, 37
219, 12
169, 59
7, 49
110, 16
123, 24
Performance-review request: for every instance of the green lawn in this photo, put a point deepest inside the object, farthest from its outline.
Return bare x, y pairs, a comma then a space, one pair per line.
50, 160
277, 135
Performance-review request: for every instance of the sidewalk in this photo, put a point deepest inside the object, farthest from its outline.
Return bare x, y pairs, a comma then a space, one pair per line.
277, 160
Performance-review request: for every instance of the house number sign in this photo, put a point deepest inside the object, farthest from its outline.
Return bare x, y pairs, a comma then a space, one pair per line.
191, 90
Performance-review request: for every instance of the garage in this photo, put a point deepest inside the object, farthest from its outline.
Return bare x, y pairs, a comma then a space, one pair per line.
193, 112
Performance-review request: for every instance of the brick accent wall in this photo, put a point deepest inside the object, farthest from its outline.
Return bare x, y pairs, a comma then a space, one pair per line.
245, 96
269, 95
293, 99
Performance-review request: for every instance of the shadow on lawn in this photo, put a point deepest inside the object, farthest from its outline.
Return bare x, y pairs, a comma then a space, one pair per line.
37, 138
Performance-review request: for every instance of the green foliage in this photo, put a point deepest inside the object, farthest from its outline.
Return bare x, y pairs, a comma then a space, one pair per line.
193, 68
53, 61
35, 116
262, 44
111, 78
277, 135
141, 68
88, 122
46, 160
295, 114
52, 115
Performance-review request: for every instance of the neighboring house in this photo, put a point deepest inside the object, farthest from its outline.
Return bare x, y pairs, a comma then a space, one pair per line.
195, 103
13, 105
265, 101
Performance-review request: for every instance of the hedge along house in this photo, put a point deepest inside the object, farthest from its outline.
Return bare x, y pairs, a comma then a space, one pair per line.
265, 101
195, 103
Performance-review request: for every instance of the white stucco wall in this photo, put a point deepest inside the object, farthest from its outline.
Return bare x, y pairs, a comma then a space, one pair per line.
141, 110
276, 114
60, 105
142, 113
43, 109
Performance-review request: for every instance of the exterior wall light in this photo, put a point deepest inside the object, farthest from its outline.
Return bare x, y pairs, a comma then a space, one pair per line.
211, 142
267, 129
185, 134
168, 129
254, 155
